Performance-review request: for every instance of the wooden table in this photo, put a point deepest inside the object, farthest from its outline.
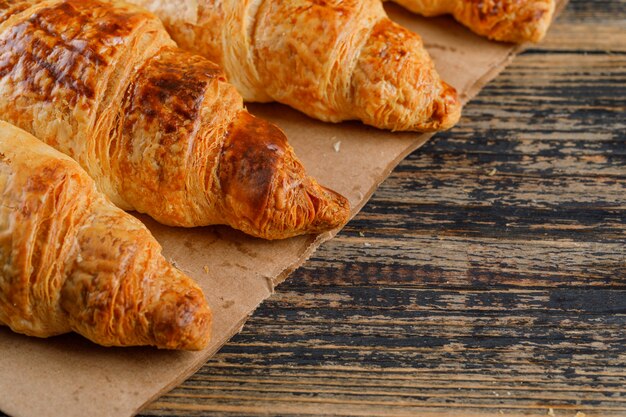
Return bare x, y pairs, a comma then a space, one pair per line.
487, 276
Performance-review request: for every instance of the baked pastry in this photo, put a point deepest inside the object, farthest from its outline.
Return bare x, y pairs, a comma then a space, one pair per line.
72, 261
159, 129
333, 60
515, 21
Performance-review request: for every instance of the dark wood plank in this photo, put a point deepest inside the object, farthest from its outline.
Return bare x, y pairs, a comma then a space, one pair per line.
487, 276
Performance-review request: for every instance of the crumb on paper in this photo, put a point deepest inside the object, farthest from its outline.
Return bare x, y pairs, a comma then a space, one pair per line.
492, 172
337, 146
551, 412
206, 269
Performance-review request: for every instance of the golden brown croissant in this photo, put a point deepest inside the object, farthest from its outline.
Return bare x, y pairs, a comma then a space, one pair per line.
159, 129
72, 261
333, 60
502, 20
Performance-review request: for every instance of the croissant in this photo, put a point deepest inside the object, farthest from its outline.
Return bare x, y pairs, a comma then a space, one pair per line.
515, 21
159, 129
333, 60
72, 261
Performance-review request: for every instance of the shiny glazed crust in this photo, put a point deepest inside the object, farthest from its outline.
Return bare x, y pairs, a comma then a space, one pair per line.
515, 21
154, 126
72, 261
331, 59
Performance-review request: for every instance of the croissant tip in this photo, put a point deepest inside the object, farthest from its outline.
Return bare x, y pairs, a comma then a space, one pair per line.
331, 210
182, 321
533, 21
446, 111
451, 106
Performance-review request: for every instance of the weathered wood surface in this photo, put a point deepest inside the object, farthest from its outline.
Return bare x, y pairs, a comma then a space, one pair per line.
487, 276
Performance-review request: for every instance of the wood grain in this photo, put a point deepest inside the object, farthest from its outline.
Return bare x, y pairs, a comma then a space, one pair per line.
487, 276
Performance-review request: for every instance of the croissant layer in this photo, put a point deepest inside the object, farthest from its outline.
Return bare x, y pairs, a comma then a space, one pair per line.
104, 83
515, 21
72, 261
333, 60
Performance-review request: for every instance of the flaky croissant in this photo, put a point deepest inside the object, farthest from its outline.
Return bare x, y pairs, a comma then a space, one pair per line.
502, 20
159, 129
333, 60
72, 261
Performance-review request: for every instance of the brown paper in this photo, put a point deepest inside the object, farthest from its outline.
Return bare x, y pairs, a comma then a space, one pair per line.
69, 376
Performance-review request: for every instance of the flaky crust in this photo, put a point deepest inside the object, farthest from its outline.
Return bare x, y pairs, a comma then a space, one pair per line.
104, 83
72, 261
515, 21
333, 60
